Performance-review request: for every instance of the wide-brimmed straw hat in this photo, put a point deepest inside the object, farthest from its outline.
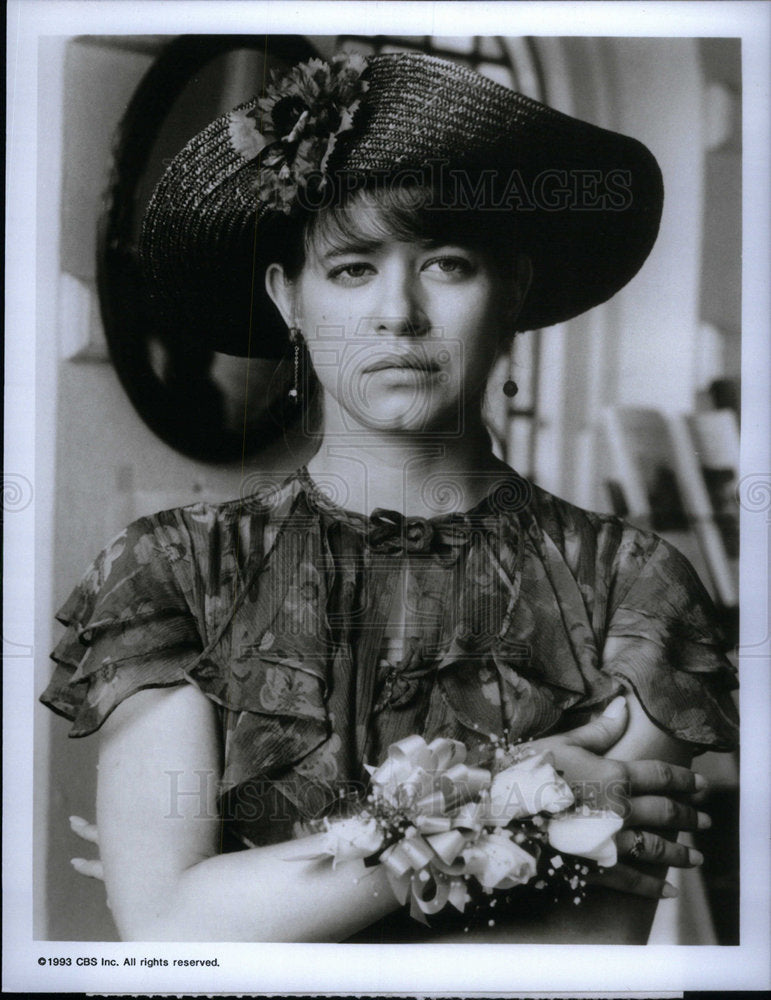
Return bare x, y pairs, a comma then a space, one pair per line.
585, 202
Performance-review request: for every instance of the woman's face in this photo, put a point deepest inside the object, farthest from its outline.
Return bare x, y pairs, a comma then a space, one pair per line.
402, 335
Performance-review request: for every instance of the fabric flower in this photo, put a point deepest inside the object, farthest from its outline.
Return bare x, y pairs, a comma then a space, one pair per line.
288, 692
296, 125
527, 788
587, 834
165, 540
322, 765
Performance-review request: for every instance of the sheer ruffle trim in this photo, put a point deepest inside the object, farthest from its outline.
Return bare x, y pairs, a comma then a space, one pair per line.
682, 680
667, 646
692, 703
129, 624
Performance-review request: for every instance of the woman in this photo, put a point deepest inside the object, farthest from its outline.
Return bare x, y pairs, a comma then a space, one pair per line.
244, 662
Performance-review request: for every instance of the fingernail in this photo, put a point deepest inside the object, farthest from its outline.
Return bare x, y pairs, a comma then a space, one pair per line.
615, 708
695, 857
699, 782
704, 821
76, 821
669, 891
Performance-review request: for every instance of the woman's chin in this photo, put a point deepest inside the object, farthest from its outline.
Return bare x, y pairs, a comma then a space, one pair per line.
403, 405
393, 419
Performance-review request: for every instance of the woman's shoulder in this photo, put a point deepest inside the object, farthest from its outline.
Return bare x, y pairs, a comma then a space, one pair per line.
211, 512
548, 506
570, 526
265, 501
186, 547
635, 565
150, 602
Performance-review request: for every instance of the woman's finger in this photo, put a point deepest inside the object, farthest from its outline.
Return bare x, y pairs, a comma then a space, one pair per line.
84, 829
626, 879
600, 734
658, 811
698, 797
658, 777
647, 846
92, 869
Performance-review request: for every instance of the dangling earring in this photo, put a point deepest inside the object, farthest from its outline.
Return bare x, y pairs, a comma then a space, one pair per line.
510, 388
295, 338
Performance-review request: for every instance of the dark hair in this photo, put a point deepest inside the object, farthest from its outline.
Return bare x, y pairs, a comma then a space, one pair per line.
408, 212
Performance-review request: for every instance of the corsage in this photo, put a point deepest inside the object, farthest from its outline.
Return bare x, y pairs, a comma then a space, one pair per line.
446, 829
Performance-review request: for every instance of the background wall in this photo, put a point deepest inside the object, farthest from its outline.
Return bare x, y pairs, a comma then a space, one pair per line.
675, 327
646, 346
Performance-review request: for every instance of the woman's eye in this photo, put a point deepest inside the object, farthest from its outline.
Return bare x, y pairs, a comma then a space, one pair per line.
450, 266
349, 273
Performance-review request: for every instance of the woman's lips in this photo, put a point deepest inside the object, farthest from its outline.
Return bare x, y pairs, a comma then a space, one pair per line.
404, 362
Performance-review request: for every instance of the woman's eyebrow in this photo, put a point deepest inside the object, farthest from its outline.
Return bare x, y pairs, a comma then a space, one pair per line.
360, 246
365, 246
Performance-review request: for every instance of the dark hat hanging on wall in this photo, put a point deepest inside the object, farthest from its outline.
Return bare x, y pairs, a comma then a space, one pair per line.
586, 201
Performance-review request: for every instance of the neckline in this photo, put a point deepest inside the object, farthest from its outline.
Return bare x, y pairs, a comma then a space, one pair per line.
509, 487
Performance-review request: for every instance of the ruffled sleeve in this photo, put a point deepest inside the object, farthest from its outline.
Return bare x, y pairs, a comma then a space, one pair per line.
667, 646
129, 623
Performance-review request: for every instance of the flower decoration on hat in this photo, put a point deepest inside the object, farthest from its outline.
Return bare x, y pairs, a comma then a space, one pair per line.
296, 125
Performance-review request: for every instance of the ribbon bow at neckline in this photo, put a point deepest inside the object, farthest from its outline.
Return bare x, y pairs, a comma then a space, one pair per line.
388, 531
392, 533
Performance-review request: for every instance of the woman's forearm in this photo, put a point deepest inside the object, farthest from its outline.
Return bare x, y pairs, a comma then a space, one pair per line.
271, 893
165, 876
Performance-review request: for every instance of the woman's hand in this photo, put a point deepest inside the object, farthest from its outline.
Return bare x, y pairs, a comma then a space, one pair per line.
656, 799
86, 831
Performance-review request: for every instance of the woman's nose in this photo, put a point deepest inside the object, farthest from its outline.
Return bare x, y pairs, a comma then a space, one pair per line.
402, 311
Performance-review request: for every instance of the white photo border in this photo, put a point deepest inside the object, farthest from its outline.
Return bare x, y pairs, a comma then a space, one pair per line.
30, 395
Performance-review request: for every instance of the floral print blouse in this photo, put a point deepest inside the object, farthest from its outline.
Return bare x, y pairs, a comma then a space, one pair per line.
276, 607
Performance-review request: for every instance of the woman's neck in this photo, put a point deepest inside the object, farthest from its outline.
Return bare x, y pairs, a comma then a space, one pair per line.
419, 476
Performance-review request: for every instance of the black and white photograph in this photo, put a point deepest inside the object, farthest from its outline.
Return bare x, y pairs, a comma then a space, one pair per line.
387, 497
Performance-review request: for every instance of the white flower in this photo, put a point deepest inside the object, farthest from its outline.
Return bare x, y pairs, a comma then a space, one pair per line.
499, 863
355, 837
587, 835
527, 788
